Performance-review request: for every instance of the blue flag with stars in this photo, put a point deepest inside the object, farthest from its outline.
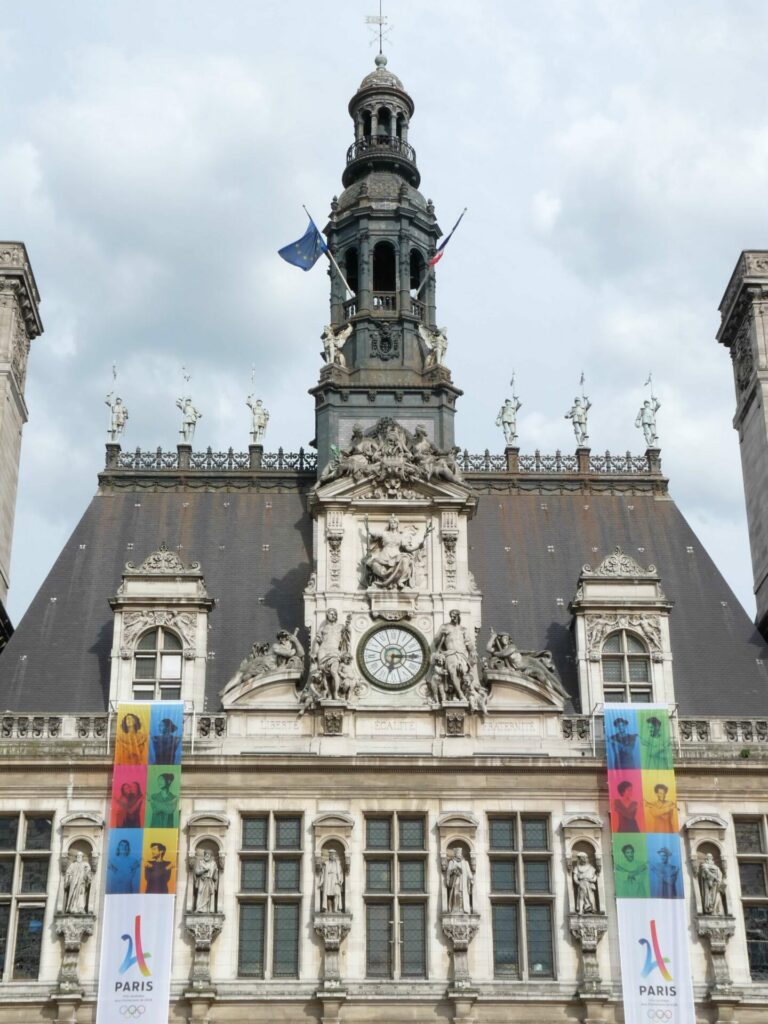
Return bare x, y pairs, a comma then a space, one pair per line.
307, 251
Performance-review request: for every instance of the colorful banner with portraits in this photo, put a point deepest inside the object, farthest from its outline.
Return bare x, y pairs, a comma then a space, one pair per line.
141, 864
648, 865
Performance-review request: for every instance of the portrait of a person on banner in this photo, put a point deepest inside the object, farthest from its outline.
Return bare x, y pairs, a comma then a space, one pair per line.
631, 867
622, 744
124, 861
665, 867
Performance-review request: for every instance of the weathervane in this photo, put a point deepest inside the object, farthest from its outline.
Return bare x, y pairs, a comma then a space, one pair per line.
379, 27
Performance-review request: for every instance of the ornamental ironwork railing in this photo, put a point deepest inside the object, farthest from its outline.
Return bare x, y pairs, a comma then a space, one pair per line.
557, 463
486, 462
300, 460
626, 463
374, 145
210, 460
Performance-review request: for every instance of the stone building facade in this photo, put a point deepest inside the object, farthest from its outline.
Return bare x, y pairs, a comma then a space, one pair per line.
394, 657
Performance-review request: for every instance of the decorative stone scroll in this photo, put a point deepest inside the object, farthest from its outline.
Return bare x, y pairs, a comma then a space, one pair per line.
618, 563
162, 562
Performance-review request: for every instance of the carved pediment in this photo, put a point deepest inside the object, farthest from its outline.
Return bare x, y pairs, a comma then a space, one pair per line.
207, 819
82, 819
334, 820
163, 562
620, 564
457, 819
582, 819
705, 821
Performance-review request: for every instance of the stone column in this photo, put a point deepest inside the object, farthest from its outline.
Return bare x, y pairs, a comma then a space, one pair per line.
19, 324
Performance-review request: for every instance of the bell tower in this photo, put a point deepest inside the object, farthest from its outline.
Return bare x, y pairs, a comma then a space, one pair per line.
385, 355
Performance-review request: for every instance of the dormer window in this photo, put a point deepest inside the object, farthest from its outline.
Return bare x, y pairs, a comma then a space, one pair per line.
157, 666
626, 668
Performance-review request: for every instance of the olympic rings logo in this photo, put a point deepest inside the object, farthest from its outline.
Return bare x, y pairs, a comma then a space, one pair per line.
660, 1015
133, 1010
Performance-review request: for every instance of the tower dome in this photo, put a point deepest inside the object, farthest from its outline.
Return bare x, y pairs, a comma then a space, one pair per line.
381, 110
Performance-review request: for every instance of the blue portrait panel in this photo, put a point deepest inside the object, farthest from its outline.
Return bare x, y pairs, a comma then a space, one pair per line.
165, 732
665, 866
124, 860
622, 742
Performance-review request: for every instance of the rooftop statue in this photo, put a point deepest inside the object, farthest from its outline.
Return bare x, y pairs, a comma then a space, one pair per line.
578, 415
333, 344
646, 419
118, 419
259, 419
189, 418
507, 419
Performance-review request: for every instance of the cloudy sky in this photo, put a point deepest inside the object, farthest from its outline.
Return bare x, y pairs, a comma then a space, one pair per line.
613, 155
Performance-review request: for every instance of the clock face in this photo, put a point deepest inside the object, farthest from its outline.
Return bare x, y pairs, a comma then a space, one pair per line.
392, 657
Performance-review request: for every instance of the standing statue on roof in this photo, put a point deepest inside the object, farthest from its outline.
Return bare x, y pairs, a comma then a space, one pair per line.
646, 417
577, 414
333, 343
507, 418
259, 419
189, 418
118, 418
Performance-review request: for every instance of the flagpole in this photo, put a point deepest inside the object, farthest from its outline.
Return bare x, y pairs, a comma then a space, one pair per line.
329, 254
432, 267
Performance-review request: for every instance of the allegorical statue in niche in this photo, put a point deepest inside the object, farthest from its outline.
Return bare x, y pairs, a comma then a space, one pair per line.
456, 645
118, 419
646, 419
390, 560
330, 884
436, 342
77, 884
330, 644
584, 877
205, 879
536, 665
711, 885
333, 344
459, 882
507, 418
189, 417
259, 419
578, 416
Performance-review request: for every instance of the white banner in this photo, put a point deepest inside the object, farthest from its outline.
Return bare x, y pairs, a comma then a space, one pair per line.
655, 966
137, 933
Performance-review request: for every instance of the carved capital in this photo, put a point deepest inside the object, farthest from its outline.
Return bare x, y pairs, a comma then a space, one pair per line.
460, 929
332, 928
718, 929
204, 928
588, 929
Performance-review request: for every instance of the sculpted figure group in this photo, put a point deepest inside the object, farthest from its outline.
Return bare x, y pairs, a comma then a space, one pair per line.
535, 665
287, 653
331, 670
388, 452
454, 666
391, 555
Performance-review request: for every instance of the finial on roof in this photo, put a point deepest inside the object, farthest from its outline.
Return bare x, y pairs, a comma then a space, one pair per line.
380, 61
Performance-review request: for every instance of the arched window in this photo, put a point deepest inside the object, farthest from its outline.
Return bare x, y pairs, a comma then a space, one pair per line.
416, 270
400, 124
157, 666
384, 274
385, 123
350, 265
366, 124
626, 669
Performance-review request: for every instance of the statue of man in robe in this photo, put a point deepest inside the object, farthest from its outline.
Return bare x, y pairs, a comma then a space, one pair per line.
206, 882
459, 881
77, 883
331, 884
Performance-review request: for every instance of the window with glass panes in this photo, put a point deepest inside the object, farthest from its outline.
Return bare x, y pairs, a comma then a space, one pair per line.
522, 900
752, 854
157, 664
25, 854
395, 896
270, 896
626, 669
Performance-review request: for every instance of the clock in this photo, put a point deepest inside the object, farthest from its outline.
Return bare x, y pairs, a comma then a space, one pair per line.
392, 657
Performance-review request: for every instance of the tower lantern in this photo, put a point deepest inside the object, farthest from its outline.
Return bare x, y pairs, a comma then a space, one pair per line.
385, 355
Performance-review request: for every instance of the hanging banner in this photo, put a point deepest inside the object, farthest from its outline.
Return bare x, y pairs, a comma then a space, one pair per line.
648, 866
141, 864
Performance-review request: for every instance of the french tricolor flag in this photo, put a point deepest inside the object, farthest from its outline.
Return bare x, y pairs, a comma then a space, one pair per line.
441, 248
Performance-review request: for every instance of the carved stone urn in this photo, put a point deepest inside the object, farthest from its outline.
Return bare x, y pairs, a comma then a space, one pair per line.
333, 927
204, 927
460, 928
74, 929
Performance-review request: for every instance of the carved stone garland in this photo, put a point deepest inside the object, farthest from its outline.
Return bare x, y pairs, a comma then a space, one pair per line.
599, 626
135, 623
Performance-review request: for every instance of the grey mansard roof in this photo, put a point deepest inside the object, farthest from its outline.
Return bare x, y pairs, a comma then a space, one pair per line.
526, 553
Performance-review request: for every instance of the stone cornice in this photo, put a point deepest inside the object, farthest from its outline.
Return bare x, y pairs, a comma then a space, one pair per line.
16, 278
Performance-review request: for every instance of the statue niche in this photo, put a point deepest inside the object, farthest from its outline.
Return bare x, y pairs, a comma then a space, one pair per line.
390, 559
332, 920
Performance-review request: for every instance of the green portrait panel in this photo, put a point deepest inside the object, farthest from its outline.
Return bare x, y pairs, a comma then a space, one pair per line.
163, 789
656, 749
630, 866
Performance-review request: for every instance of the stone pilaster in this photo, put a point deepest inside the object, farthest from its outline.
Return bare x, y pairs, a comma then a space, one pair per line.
460, 929
255, 455
718, 930
19, 325
203, 928
332, 927
185, 455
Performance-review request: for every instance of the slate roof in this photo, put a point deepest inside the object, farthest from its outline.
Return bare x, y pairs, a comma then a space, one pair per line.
58, 658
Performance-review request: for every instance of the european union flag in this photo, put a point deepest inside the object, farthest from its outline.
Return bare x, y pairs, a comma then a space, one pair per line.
307, 251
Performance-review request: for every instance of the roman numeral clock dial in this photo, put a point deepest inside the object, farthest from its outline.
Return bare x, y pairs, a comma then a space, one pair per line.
392, 657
